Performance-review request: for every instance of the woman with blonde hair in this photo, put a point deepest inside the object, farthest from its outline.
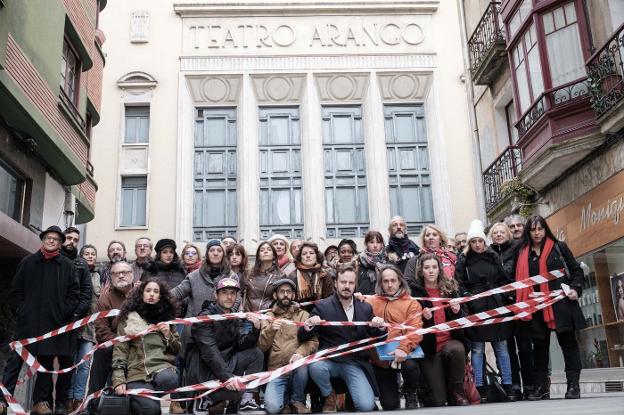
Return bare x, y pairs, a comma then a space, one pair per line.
433, 240
191, 258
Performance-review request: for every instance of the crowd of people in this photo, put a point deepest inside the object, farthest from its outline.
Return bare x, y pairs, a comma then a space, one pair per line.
59, 284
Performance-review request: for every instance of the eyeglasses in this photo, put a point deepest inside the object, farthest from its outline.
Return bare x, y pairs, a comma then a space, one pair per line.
190, 253
141, 246
52, 238
120, 273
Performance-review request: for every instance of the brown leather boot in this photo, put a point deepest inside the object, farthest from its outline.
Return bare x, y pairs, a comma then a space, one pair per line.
457, 394
330, 403
176, 408
300, 408
41, 408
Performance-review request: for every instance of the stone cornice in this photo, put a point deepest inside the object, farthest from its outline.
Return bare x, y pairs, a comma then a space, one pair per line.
230, 8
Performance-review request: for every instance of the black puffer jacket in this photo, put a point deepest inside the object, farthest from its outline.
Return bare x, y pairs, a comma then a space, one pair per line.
568, 313
505, 253
475, 274
215, 344
428, 342
171, 274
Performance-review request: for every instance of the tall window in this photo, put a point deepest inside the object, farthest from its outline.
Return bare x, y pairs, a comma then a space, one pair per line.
137, 124
528, 69
11, 193
408, 165
70, 72
345, 173
280, 173
214, 205
133, 200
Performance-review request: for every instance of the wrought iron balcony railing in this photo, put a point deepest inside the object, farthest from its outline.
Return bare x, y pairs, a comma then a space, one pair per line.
487, 45
503, 169
605, 71
553, 99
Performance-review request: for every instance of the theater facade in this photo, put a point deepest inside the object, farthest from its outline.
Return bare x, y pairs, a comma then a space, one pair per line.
317, 120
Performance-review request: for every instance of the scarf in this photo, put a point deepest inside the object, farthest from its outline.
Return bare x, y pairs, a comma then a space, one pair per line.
190, 268
522, 272
446, 256
282, 261
155, 313
399, 245
49, 256
308, 289
395, 296
372, 262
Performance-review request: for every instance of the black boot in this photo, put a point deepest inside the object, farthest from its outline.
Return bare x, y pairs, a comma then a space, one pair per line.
511, 393
539, 392
574, 389
411, 400
483, 393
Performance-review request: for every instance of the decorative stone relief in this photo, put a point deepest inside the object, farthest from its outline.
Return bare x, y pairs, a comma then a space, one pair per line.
139, 26
134, 160
403, 86
277, 89
341, 86
215, 90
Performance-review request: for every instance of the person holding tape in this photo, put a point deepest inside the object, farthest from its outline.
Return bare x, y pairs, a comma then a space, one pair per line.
146, 362
539, 252
393, 303
445, 353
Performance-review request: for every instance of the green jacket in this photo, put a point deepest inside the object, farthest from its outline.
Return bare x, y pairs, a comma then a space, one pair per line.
140, 359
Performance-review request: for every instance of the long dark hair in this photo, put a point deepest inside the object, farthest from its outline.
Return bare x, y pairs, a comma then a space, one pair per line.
165, 309
314, 246
531, 223
447, 286
256, 267
240, 250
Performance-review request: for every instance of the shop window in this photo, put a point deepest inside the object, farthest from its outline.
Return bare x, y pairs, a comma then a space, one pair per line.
133, 201
281, 208
346, 198
11, 193
137, 120
214, 203
408, 165
70, 72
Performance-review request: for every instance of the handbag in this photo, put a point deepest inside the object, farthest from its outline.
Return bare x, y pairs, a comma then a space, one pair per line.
495, 391
470, 388
111, 404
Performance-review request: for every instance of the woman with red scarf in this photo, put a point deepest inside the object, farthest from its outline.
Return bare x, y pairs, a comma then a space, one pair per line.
538, 253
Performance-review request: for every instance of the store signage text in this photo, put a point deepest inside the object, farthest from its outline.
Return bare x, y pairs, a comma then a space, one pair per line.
611, 210
217, 36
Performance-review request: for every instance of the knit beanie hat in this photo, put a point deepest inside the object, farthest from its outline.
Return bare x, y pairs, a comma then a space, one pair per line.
163, 243
213, 242
476, 230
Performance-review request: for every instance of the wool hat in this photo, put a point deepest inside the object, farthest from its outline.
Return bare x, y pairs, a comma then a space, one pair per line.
282, 281
213, 242
54, 229
163, 243
476, 230
280, 237
227, 283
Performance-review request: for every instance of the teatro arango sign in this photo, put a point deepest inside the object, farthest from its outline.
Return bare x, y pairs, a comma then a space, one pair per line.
304, 34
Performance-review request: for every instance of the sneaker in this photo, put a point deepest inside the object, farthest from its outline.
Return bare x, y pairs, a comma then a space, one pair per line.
202, 406
248, 403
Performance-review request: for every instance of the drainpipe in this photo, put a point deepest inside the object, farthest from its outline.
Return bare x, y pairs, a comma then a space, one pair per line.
476, 150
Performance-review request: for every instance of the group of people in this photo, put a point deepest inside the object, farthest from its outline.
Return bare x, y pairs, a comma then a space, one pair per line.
291, 289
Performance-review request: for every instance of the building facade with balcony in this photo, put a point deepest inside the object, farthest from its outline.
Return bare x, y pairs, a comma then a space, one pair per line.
549, 99
51, 66
314, 120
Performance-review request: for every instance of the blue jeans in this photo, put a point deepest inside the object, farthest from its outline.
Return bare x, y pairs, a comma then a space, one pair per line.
353, 375
81, 374
275, 395
502, 357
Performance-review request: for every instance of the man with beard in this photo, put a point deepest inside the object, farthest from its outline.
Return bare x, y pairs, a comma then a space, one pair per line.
223, 350
392, 301
112, 297
516, 226
143, 251
44, 296
69, 249
400, 247
279, 340
116, 252
354, 369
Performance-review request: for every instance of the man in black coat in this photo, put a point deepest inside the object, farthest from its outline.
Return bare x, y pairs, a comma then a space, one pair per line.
400, 247
355, 369
44, 296
222, 350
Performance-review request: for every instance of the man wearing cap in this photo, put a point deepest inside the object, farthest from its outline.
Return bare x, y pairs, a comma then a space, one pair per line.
279, 340
44, 296
223, 350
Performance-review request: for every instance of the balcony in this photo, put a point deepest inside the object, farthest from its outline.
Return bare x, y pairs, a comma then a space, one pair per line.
502, 170
487, 46
557, 131
605, 71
